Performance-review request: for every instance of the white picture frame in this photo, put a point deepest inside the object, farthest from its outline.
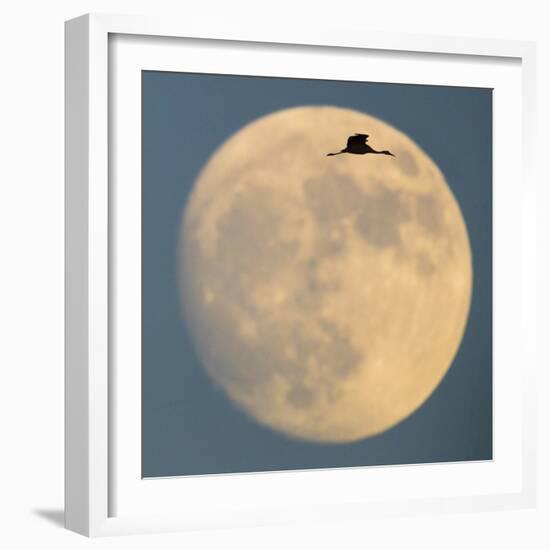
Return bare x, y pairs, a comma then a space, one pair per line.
104, 491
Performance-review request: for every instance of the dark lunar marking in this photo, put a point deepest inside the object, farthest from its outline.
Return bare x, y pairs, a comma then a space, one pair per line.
428, 213
307, 298
380, 217
406, 163
332, 197
330, 240
250, 247
338, 354
312, 289
425, 265
313, 369
250, 250
300, 397
333, 360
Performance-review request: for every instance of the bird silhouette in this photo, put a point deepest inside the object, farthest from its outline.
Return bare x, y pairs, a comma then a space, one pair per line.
357, 145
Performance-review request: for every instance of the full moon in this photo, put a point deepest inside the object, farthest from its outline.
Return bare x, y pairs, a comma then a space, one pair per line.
326, 296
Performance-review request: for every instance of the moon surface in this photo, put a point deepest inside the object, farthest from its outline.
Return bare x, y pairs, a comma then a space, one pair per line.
326, 296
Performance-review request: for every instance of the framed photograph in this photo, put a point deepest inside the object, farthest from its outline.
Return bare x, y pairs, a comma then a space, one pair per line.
297, 275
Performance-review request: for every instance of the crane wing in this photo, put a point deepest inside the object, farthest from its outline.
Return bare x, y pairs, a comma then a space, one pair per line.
358, 139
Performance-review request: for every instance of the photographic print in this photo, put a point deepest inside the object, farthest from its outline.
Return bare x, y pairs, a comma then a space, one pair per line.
316, 274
